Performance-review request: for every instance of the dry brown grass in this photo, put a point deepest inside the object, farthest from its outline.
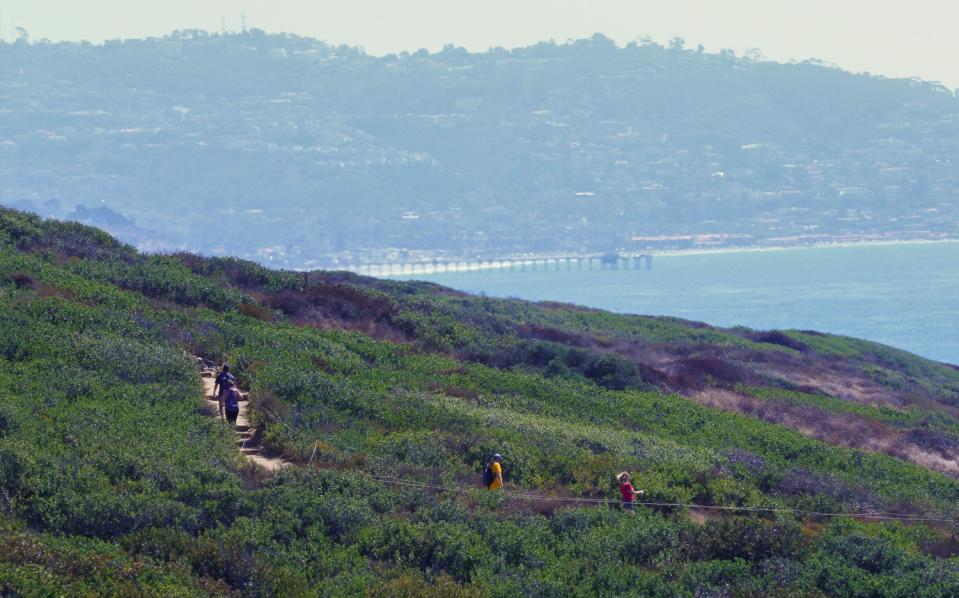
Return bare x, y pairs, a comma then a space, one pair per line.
843, 429
257, 311
850, 386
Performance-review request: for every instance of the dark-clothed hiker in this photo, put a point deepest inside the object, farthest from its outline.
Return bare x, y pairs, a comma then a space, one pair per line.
231, 402
493, 473
222, 382
627, 491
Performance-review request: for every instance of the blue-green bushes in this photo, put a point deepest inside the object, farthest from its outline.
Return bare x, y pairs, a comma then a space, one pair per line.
115, 481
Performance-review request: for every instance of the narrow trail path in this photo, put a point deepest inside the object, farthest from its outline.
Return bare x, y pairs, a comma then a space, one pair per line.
244, 434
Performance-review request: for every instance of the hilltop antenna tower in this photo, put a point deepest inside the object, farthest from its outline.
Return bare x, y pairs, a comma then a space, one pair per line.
243, 21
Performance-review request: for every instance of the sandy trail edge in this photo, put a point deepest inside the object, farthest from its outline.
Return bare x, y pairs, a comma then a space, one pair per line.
243, 430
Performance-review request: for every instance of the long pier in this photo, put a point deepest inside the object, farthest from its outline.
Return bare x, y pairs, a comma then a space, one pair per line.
607, 261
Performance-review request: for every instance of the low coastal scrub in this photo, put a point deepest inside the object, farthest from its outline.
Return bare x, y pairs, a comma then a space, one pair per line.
389, 397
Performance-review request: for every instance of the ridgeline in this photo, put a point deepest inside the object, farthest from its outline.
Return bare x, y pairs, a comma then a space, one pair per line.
325, 155
114, 479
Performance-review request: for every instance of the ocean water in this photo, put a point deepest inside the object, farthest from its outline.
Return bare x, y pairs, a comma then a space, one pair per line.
905, 295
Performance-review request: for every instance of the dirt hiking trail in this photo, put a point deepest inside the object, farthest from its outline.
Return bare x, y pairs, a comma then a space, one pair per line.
244, 435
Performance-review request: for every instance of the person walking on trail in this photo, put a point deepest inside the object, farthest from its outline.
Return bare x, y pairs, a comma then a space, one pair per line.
230, 402
627, 491
493, 473
222, 383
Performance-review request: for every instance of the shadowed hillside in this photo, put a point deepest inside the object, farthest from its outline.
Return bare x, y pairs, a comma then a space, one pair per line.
388, 397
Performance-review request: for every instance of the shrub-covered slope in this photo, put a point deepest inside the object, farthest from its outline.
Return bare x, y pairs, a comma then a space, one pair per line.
114, 480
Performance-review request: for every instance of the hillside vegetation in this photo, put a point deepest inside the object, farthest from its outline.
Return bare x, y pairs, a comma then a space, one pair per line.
329, 155
115, 479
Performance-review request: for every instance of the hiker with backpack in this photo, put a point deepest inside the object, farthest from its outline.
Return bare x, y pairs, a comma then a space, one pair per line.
222, 383
230, 401
627, 491
493, 473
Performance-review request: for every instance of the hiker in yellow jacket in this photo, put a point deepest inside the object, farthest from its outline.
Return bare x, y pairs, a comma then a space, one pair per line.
493, 476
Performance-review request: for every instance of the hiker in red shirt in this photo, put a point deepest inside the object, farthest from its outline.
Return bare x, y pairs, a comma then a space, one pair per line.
626, 489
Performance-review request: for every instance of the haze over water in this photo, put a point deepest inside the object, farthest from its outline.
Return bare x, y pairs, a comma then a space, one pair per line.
904, 295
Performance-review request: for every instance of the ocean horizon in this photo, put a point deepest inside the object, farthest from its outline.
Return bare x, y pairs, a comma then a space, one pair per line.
904, 294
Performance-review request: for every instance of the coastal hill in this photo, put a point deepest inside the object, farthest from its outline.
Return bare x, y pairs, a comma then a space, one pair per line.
774, 462
314, 155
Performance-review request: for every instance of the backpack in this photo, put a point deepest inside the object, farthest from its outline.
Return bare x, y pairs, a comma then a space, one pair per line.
224, 379
488, 475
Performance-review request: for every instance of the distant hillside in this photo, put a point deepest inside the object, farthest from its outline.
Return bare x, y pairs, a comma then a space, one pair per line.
290, 151
766, 455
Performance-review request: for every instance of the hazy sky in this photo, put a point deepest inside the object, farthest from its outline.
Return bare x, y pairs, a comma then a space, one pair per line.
892, 37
